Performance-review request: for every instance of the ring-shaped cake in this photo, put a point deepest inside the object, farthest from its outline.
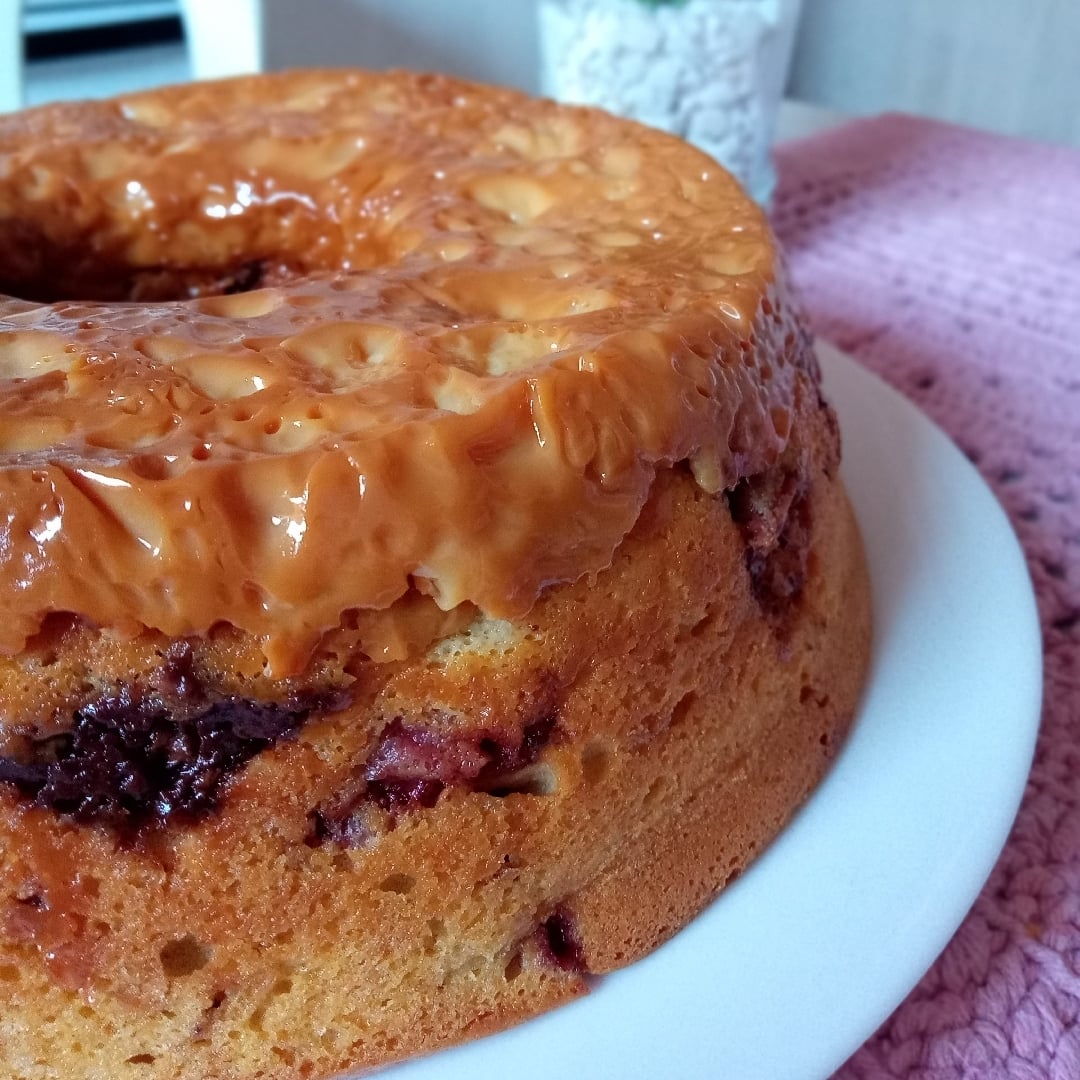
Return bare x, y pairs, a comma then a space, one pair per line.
426, 574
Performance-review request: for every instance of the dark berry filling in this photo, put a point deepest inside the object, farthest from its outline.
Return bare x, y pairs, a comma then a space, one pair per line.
411, 766
559, 944
132, 761
774, 512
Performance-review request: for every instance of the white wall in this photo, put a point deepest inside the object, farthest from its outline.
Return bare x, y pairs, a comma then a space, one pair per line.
1009, 65
490, 40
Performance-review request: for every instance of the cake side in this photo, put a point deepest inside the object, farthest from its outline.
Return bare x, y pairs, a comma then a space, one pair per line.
370, 887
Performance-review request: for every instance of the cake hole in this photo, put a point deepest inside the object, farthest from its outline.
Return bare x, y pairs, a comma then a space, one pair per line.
595, 763
62, 279
654, 791
315, 412
141, 1059
402, 884
241, 415
272, 427
184, 956
436, 931
281, 988
201, 452
513, 967
536, 779
560, 944
682, 708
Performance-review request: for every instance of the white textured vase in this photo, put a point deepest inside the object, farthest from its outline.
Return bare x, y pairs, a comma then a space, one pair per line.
712, 71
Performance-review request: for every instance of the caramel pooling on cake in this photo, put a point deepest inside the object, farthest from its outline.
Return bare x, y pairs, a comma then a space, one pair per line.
467, 343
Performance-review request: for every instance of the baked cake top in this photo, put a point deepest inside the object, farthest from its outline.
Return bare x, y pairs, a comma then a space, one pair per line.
293, 345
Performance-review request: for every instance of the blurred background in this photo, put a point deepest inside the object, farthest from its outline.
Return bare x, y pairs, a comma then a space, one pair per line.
1004, 65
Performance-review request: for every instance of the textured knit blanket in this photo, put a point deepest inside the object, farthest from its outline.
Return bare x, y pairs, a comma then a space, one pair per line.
948, 261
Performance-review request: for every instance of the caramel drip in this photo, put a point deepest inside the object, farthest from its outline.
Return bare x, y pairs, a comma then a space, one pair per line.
485, 323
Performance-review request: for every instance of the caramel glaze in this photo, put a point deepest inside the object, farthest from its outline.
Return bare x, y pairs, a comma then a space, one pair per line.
482, 323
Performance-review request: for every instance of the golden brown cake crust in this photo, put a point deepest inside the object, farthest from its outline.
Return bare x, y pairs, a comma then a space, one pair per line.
689, 726
247, 835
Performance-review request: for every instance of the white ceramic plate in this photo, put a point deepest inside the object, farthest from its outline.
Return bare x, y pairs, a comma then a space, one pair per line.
796, 964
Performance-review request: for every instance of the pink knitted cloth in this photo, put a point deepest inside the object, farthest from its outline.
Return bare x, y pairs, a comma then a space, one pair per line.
948, 261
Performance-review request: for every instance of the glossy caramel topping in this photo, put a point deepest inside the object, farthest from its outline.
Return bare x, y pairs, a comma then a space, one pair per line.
481, 324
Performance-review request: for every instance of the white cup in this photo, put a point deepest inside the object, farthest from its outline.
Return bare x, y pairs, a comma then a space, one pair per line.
712, 71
